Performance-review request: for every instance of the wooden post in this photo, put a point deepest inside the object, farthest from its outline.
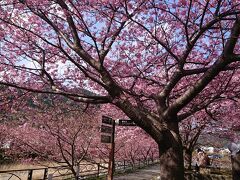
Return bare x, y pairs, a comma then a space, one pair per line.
30, 174
111, 155
45, 173
124, 164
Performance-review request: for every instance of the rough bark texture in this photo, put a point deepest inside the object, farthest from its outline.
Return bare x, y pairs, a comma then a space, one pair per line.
171, 166
188, 159
236, 166
171, 155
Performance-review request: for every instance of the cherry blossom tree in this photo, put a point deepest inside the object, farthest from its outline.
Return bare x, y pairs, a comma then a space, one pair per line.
227, 113
10, 101
190, 130
55, 131
127, 148
4, 144
158, 62
66, 133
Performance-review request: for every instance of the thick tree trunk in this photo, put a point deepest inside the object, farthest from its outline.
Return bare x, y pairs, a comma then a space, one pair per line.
165, 132
235, 166
171, 164
171, 156
188, 159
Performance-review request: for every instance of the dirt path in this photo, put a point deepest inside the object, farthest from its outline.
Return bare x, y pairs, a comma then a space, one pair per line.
147, 173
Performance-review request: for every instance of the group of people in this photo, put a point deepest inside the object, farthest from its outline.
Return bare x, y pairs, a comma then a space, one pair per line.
202, 159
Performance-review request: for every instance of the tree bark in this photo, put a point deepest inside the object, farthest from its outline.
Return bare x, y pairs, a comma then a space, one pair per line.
171, 155
165, 132
235, 166
188, 159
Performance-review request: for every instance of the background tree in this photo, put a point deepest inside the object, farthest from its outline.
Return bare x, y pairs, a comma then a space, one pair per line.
128, 149
4, 145
227, 113
190, 130
158, 62
54, 130
67, 133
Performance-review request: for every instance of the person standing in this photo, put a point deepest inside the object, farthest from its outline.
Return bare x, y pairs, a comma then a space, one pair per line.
202, 159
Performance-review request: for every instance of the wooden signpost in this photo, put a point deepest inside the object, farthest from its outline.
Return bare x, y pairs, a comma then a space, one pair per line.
107, 120
108, 135
125, 122
108, 130
106, 139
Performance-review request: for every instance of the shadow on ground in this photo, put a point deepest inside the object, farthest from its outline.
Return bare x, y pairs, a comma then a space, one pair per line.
151, 173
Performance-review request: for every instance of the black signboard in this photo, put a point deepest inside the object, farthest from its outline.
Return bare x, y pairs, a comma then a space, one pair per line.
123, 122
106, 129
106, 139
107, 120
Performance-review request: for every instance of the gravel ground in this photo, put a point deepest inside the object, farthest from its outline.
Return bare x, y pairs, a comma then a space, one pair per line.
148, 173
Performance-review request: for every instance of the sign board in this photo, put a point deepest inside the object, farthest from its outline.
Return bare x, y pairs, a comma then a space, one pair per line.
106, 129
107, 120
123, 122
106, 139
